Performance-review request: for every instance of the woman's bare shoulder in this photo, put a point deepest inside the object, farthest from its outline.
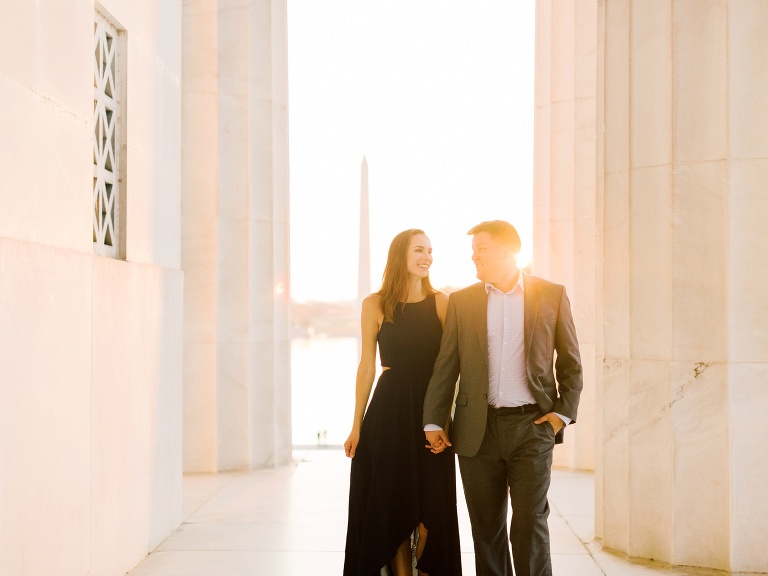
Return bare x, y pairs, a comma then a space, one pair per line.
372, 306
372, 300
441, 304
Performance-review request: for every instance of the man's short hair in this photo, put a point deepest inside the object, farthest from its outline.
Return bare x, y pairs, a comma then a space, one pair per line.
499, 230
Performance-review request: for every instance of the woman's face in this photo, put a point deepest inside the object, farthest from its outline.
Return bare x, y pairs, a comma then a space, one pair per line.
419, 256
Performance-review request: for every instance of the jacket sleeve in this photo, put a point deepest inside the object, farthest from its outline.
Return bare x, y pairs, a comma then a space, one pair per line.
568, 371
442, 385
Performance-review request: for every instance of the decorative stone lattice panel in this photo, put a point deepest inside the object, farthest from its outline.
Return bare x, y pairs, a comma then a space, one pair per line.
106, 142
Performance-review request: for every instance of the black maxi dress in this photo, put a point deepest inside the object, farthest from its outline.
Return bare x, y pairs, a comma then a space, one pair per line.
395, 482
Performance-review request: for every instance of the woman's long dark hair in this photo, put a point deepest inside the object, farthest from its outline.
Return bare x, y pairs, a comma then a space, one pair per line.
394, 281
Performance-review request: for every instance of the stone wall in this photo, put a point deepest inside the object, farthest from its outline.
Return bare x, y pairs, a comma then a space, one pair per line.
90, 347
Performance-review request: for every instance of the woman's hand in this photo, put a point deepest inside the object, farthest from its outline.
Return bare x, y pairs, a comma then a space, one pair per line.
437, 441
351, 444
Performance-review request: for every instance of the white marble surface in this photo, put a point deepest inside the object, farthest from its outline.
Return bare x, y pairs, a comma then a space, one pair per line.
700, 58
90, 348
651, 232
614, 53
280, 521
46, 179
651, 95
748, 467
136, 405
747, 70
699, 409
748, 284
699, 277
45, 383
199, 240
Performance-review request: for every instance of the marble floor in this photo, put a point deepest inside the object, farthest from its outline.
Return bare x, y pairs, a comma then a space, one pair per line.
292, 521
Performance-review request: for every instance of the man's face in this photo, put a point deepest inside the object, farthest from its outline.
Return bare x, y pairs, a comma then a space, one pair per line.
494, 261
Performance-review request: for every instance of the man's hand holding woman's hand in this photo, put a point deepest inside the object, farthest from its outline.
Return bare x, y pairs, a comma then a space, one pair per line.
437, 441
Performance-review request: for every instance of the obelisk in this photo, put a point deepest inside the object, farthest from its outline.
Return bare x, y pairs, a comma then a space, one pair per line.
364, 258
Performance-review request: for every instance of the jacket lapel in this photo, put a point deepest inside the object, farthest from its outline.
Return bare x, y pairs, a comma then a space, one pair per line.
480, 314
531, 299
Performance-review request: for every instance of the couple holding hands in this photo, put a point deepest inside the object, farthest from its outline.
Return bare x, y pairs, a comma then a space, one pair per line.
470, 374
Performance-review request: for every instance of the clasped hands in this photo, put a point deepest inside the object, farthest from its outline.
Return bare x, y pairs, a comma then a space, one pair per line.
437, 440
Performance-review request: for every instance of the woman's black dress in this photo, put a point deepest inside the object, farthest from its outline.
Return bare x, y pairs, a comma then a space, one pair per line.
395, 481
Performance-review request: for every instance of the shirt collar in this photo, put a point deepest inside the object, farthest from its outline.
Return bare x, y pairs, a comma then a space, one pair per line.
520, 282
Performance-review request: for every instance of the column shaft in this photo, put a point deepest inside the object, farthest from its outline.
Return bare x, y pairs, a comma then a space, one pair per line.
199, 239
236, 242
564, 186
681, 300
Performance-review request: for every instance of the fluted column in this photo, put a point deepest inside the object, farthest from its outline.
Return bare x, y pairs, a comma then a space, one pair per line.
236, 241
232, 286
748, 282
269, 233
199, 239
684, 349
564, 186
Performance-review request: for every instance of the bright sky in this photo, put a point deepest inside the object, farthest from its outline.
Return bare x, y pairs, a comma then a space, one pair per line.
438, 95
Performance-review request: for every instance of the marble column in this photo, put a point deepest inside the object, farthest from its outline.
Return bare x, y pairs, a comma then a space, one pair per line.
235, 235
270, 377
199, 241
232, 201
684, 350
748, 282
564, 208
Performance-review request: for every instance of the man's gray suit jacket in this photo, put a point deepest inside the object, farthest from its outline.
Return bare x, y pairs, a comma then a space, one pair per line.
463, 355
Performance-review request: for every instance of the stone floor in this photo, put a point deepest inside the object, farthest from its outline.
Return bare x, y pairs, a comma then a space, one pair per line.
292, 521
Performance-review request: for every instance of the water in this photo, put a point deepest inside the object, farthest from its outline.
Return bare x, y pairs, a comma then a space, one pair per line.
323, 372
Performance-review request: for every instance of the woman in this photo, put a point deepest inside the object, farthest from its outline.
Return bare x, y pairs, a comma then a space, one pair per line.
397, 486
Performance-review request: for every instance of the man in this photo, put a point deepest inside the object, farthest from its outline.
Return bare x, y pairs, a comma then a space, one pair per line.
500, 338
